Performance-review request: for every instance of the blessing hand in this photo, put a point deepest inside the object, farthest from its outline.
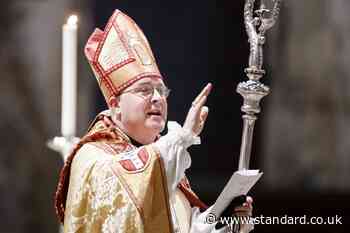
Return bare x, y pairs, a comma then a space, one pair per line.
198, 113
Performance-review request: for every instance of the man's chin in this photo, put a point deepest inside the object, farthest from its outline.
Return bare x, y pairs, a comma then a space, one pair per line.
156, 125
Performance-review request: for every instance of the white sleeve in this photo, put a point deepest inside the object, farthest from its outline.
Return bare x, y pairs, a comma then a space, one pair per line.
173, 150
200, 223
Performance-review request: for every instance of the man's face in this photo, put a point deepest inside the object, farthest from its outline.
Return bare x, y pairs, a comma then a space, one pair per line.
142, 107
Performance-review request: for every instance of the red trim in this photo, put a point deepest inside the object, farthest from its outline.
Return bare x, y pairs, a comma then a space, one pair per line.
136, 78
99, 69
105, 81
191, 196
112, 24
119, 65
93, 43
127, 165
143, 155
126, 47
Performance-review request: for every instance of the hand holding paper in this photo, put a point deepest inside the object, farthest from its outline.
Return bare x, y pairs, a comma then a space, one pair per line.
239, 184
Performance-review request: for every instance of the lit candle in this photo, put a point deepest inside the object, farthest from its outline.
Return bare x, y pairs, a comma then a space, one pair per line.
69, 76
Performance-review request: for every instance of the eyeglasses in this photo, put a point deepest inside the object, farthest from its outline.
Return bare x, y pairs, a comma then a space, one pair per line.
148, 91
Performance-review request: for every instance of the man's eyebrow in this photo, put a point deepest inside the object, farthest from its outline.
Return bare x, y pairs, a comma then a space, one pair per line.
141, 85
146, 83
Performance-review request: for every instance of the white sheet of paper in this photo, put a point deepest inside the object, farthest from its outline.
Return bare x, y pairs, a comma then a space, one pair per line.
239, 184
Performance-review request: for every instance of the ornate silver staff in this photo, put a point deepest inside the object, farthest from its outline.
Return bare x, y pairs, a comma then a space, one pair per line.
253, 90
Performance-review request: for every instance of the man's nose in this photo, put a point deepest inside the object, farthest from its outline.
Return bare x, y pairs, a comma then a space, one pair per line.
156, 96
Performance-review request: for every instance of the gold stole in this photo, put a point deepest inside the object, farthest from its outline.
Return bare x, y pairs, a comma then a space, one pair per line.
148, 190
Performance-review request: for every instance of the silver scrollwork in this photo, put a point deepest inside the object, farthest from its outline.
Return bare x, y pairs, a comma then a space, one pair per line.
256, 28
256, 24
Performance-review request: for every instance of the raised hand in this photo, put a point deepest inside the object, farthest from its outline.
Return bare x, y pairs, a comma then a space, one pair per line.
198, 113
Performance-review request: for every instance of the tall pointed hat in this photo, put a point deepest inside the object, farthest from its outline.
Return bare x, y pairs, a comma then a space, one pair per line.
120, 55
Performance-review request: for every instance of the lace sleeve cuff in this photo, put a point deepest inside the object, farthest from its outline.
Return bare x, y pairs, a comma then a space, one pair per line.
186, 136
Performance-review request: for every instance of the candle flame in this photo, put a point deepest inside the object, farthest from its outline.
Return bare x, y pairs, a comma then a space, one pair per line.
72, 20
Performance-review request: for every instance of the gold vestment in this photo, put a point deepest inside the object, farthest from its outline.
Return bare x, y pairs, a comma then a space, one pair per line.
109, 193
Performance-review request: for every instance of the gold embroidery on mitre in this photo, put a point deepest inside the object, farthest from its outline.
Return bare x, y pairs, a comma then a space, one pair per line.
136, 40
123, 55
113, 51
142, 54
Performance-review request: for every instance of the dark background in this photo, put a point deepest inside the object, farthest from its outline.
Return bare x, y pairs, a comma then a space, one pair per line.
301, 136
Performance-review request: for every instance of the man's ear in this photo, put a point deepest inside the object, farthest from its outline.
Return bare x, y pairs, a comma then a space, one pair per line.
113, 103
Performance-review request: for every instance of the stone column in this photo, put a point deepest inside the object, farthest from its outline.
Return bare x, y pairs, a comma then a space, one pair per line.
306, 127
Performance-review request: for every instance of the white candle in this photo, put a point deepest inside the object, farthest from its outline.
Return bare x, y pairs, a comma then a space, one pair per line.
69, 76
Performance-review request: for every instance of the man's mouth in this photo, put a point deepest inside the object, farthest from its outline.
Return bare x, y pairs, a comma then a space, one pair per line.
154, 113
